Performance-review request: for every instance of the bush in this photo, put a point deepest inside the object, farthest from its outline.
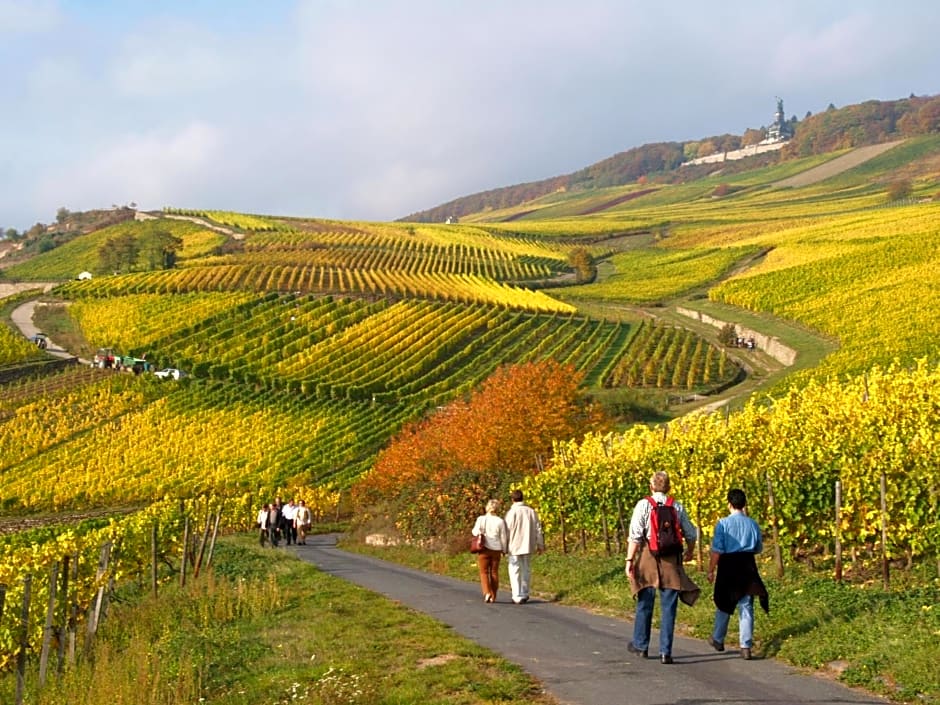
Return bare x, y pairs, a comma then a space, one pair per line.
728, 334
899, 190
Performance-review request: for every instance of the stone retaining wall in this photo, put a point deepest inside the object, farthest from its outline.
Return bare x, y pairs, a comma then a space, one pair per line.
733, 154
771, 345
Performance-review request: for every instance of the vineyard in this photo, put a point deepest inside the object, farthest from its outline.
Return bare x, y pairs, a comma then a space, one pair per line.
308, 344
876, 428
14, 347
356, 371
39, 566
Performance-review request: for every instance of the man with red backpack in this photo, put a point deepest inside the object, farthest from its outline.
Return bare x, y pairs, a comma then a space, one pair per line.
661, 537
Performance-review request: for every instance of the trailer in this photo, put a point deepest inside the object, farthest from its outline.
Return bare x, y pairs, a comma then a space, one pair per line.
135, 364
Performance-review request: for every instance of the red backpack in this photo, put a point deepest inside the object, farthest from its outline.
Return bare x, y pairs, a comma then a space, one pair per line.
665, 534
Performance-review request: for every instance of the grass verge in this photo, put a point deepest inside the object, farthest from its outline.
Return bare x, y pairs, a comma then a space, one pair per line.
266, 627
53, 319
887, 642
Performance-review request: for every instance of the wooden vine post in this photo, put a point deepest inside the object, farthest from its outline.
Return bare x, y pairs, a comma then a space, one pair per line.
23, 641
778, 551
64, 620
153, 558
701, 542
203, 541
185, 551
561, 508
48, 626
98, 606
624, 537
885, 568
838, 531
215, 534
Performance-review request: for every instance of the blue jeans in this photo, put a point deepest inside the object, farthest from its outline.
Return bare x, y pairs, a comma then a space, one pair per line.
668, 603
745, 623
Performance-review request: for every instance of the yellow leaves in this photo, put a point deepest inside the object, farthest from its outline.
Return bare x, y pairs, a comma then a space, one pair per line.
870, 279
134, 322
14, 347
803, 444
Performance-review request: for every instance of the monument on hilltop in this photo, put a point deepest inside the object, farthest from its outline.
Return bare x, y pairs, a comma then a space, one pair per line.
780, 130
777, 135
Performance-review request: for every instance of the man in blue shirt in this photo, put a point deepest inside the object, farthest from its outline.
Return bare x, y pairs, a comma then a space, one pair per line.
737, 541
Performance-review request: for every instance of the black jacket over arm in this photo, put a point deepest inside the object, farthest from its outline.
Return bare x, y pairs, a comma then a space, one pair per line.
737, 577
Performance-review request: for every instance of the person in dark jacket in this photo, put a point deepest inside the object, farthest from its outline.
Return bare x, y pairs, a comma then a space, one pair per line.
733, 570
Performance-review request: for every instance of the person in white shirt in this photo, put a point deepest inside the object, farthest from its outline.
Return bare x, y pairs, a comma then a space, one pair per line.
290, 532
264, 522
525, 538
302, 518
495, 543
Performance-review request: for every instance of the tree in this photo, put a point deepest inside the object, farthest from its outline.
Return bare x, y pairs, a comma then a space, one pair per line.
45, 243
721, 190
728, 334
751, 136
434, 476
583, 264
899, 190
62, 215
706, 148
928, 117
158, 249
118, 254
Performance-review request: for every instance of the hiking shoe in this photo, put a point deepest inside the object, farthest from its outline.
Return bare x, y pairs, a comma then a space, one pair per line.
665, 659
716, 645
633, 649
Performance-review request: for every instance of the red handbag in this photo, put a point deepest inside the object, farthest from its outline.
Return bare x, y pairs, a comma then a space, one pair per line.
476, 544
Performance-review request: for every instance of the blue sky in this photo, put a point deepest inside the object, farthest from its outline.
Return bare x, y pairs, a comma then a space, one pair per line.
375, 109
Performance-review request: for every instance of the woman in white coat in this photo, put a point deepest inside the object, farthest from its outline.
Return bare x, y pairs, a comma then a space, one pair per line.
495, 543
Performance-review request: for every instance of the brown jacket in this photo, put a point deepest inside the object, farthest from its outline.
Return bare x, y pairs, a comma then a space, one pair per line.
664, 573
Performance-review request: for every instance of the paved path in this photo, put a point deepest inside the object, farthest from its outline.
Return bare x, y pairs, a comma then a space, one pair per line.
22, 317
852, 159
580, 657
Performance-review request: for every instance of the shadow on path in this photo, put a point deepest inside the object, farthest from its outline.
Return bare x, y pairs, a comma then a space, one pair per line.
580, 657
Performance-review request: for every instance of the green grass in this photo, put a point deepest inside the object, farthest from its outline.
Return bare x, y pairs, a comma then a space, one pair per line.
266, 627
885, 641
53, 319
645, 275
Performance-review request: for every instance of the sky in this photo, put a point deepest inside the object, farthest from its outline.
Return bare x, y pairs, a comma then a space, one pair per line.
375, 109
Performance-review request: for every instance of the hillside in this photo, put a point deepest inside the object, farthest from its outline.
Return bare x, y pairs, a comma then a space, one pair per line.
858, 125
318, 353
367, 326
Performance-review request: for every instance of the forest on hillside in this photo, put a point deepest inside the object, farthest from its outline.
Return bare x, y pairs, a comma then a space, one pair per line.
856, 125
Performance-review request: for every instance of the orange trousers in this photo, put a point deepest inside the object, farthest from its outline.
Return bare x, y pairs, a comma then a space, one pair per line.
488, 562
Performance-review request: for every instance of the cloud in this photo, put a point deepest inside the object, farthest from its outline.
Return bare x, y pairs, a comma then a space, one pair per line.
172, 59
28, 16
845, 49
359, 109
152, 170
55, 81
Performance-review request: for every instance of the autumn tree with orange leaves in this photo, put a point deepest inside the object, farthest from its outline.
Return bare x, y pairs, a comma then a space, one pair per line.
436, 475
